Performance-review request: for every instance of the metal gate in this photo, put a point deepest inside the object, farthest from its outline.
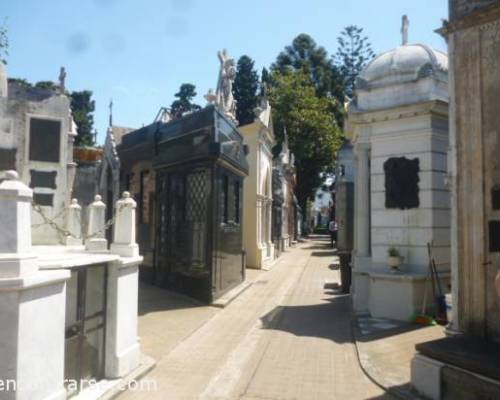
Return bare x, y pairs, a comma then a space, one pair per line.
85, 326
182, 229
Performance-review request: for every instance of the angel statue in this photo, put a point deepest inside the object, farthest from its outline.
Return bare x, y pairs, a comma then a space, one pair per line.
224, 91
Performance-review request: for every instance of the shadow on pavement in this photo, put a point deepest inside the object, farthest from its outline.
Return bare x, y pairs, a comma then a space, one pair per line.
153, 298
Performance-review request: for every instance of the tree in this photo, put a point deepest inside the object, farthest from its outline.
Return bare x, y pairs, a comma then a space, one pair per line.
246, 84
353, 54
313, 133
82, 108
4, 44
184, 104
306, 56
265, 81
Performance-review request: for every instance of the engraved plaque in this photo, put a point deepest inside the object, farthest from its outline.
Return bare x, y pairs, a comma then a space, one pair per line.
43, 179
401, 183
45, 140
43, 199
494, 236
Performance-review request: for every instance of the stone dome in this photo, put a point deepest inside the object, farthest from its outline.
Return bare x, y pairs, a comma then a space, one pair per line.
407, 63
3, 80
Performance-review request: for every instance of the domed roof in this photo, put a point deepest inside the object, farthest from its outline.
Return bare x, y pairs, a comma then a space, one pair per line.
3, 80
406, 63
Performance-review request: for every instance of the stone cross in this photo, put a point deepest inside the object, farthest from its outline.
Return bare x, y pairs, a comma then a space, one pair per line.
405, 26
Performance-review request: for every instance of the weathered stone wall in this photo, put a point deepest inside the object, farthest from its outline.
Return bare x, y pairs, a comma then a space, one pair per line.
476, 57
462, 8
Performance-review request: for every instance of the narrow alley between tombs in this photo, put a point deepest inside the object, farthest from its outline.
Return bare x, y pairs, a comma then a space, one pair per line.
288, 336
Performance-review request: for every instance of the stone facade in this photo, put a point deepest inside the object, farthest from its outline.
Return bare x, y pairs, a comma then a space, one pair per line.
474, 41
258, 192
36, 139
399, 121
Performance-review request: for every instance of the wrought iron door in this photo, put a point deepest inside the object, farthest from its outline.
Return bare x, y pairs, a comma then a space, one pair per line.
182, 230
85, 326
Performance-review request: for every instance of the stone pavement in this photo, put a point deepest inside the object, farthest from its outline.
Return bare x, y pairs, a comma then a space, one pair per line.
286, 337
386, 348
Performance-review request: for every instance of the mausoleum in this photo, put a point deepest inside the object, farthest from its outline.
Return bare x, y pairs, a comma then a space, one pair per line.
399, 128
258, 192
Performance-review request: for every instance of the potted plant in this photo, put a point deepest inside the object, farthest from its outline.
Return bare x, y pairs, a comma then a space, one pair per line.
394, 258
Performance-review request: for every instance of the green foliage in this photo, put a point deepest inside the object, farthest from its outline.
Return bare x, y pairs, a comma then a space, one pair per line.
184, 104
393, 252
246, 84
4, 44
353, 54
265, 81
306, 56
21, 82
48, 85
313, 133
82, 108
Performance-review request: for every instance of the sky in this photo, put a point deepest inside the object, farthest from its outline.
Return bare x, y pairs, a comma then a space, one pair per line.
138, 52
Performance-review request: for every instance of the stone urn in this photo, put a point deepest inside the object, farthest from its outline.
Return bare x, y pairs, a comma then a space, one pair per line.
394, 259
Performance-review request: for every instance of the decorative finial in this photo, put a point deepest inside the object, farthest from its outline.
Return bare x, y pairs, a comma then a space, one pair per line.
74, 201
111, 112
405, 25
97, 197
62, 80
126, 195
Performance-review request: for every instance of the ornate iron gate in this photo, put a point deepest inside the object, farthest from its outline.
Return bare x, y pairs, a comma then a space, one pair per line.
182, 229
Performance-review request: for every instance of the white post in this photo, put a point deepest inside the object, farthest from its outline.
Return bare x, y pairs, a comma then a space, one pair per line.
97, 220
16, 258
74, 224
124, 243
32, 306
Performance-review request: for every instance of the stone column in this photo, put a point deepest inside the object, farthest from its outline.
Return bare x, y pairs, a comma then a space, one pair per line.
362, 198
97, 221
122, 341
74, 224
32, 306
124, 243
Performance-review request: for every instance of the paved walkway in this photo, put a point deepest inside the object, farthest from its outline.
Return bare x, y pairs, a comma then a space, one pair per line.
286, 337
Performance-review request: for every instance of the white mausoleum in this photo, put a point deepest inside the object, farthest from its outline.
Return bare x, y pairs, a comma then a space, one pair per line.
37, 132
398, 122
257, 198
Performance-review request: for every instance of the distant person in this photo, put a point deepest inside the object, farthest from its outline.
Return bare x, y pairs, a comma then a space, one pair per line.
332, 228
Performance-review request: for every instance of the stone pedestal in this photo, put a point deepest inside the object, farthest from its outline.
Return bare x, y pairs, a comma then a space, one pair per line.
96, 232
122, 343
32, 306
124, 243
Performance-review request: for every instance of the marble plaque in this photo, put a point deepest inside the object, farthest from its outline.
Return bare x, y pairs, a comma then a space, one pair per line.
45, 140
43, 179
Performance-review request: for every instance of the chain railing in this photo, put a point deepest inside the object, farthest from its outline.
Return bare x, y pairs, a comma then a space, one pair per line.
62, 231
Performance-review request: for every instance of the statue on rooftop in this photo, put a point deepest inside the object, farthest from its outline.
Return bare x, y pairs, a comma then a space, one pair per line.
223, 96
405, 26
62, 80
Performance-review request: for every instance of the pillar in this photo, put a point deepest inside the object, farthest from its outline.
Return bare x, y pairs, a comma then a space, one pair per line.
124, 243
362, 197
74, 224
32, 306
96, 233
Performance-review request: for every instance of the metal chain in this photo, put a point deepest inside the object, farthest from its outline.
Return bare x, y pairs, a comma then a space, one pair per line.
64, 232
